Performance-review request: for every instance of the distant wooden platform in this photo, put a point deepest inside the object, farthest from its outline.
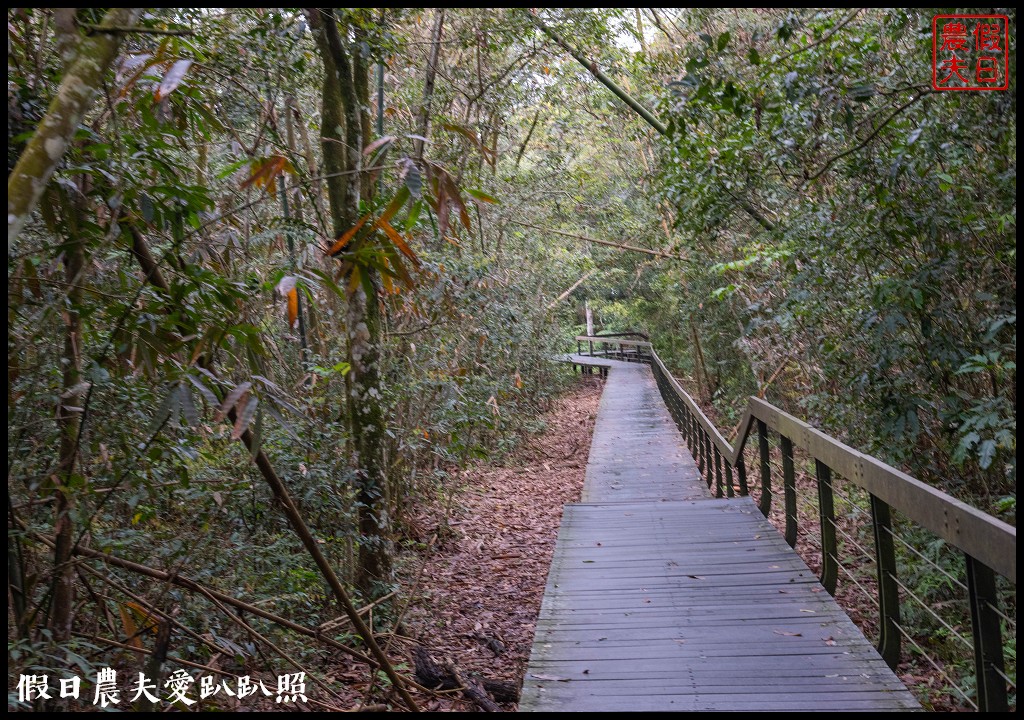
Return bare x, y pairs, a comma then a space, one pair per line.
662, 598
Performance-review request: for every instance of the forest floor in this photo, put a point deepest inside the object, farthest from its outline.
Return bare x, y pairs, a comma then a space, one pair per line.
478, 587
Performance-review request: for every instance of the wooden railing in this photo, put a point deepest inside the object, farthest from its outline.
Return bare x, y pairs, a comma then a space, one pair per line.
989, 546
615, 347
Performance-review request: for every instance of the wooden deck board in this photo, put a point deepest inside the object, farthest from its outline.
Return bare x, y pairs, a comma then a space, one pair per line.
660, 597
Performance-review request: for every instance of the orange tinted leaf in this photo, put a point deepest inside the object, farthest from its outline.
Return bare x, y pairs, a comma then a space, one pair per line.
131, 631
293, 307
342, 241
398, 241
172, 79
266, 171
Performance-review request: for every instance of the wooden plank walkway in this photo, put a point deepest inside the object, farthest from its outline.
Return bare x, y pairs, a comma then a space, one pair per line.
661, 597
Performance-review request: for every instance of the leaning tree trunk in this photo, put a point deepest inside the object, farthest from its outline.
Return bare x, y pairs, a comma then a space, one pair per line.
69, 421
78, 89
341, 109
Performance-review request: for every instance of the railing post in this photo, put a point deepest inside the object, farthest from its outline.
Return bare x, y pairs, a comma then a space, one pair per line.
729, 490
988, 644
700, 448
591, 343
718, 473
888, 592
741, 472
789, 488
827, 513
710, 459
766, 469
579, 347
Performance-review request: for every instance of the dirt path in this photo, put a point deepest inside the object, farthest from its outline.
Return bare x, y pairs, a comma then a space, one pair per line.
481, 587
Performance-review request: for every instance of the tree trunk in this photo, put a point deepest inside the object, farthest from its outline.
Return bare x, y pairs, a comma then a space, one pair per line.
365, 402
423, 119
69, 415
78, 89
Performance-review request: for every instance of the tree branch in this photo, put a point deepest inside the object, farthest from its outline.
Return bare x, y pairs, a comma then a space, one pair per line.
824, 37
635, 105
423, 118
591, 66
572, 287
133, 29
632, 248
868, 139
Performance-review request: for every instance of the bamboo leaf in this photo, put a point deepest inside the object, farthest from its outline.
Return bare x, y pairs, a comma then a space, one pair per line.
131, 631
257, 434
230, 169
400, 271
456, 198
172, 79
276, 414
265, 173
329, 282
244, 417
394, 206
385, 280
138, 69
207, 394
379, 142
353, 279
188, 408
414, 215
269, 384
410, 174
472, 137
342, 241
230, 400
399, 241
482, 196
166, 412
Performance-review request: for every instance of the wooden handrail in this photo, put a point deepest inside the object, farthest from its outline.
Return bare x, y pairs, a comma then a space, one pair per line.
982, 536
611, 340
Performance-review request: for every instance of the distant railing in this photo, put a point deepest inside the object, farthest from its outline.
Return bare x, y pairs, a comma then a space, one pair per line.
989, 545
615, 347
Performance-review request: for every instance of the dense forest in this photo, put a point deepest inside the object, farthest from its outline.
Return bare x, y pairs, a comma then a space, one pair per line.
280, 281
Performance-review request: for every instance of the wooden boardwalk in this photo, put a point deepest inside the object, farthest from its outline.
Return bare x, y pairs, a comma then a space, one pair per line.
661, 597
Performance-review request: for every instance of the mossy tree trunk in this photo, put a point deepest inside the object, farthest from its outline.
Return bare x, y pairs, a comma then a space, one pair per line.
78, 89
345, 82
